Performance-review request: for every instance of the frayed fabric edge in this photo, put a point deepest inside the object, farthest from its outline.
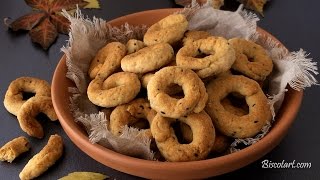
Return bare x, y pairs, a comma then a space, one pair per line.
96, 127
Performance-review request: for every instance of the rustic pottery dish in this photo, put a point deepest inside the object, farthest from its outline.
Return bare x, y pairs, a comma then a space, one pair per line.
167, 170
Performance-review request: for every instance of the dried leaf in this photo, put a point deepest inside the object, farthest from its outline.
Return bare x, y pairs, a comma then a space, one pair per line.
28, 21
92, 4
58, 5
62, 24
44, 34
256, 5
48, 14
38, 4
84, 176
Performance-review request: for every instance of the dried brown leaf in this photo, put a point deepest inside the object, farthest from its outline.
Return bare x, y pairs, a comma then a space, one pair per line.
44, 34
28, 21
38, 4
46, 22
62, 24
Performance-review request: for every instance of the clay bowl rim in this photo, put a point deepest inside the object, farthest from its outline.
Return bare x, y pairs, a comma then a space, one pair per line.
242, 157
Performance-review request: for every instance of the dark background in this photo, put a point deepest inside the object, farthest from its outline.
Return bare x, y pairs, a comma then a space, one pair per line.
295, 23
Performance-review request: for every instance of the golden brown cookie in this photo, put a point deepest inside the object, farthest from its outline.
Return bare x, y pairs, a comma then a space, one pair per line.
228, 106
169, 106
231, 124
13, 99
134, 45
191, 36
221, 142
252, 60
107, 60
41, 162
148, 59
130, 114
14, 148
218, 56
168, 30
203, 98
28, 112
171, 90
117, 89
167, 142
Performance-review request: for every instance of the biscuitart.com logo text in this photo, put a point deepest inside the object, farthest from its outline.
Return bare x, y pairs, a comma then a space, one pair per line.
285, 165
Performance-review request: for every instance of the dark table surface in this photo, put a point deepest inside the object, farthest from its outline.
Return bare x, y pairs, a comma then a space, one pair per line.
295, 23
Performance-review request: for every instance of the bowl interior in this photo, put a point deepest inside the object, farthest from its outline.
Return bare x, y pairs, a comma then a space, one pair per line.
166, 170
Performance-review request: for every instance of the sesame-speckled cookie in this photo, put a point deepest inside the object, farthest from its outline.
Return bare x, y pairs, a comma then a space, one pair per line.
41, 162
252, 60
117, 89
167, 142
191, 36
231, 124
14, 148
168, 30
13, 99
148, 58
28, 112
131, 113
107, 60
134, 45
169, 106
218, 56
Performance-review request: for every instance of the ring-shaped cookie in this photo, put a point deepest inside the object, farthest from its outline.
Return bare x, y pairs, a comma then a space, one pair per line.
221, 142
168, 30
117, 89
191, 36
107, 60
131, 113
203, 98
252, 60
167, 142
166, 105
28, 112
13, 99
219, 56
228, 123
148, 58
171, 90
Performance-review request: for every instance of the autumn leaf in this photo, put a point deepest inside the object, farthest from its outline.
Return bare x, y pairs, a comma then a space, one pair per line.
28, 21
46, 21
92, 4
38, 4
84, 176
44, 34
61, 23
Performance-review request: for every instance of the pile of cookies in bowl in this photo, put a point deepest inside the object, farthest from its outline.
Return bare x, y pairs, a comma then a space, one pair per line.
189, 92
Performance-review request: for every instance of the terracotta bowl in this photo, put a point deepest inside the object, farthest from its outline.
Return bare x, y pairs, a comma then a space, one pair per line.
167, 170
